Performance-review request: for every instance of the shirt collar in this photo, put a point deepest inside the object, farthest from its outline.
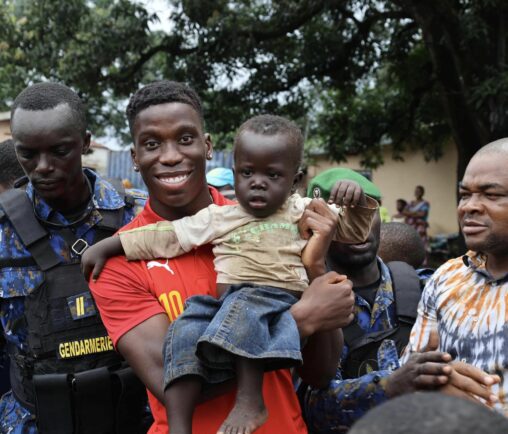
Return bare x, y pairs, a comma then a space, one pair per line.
477, 262
384, 294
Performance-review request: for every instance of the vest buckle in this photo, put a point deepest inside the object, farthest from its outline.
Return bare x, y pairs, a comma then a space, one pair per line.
79, 246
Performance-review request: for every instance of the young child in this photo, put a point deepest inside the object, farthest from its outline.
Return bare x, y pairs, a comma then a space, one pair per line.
399, 216
257, 251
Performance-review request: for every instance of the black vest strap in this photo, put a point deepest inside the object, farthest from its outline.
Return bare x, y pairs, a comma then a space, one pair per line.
407, 289
19, 210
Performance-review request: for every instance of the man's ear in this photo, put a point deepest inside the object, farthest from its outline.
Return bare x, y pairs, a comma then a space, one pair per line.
86, 142
135, 164
209, 146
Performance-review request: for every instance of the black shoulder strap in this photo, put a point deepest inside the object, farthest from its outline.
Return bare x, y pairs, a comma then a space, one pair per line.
407, 290
352, 333
19, 210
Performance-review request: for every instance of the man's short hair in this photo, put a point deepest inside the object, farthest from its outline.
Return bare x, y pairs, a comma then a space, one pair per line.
430, 413
162, 92
10, 169
401, 242
45, 96
271, 125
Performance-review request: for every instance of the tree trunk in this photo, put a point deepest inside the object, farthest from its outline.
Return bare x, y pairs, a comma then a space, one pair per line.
437, 22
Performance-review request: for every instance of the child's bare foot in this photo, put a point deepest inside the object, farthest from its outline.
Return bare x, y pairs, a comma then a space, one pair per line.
245, 417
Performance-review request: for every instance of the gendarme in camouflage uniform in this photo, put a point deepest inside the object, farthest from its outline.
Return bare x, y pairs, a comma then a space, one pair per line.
18, 282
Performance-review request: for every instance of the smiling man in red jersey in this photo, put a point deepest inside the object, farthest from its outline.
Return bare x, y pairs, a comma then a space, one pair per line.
139, 299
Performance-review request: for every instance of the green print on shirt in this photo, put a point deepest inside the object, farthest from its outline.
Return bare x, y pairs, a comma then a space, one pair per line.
250, 232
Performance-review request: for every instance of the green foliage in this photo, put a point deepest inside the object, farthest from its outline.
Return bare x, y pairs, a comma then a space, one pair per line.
86, 45
355, 74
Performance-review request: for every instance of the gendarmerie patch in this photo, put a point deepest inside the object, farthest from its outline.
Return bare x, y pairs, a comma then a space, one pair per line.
84, 347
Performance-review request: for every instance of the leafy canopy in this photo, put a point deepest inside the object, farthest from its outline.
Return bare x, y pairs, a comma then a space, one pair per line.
356, 74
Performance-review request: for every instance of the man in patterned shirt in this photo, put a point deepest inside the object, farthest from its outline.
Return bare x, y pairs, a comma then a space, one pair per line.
465, 302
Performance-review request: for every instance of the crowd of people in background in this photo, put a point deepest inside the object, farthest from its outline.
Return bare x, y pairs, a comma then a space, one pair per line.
221, 302
416, 214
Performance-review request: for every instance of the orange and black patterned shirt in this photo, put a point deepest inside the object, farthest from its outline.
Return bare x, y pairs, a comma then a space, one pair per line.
469, 310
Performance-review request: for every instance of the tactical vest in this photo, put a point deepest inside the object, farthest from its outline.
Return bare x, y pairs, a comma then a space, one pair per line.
69, 376
363, 347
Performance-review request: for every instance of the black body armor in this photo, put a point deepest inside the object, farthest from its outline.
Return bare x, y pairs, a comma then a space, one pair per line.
69, 376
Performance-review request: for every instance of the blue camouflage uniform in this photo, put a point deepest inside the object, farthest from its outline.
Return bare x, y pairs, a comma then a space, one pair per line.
335, 408
16, 283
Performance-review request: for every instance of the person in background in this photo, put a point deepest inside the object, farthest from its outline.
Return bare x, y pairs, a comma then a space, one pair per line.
417, 215
430, 413
399, 216
10, 169
59, 350
369, 372
400, 242
223, 180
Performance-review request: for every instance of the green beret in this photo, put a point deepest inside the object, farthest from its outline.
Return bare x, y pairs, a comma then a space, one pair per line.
327, 179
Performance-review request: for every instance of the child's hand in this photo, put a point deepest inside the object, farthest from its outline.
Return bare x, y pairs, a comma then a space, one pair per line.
347, 193
95, 256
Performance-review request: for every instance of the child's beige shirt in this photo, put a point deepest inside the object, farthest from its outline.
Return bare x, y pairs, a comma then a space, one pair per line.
264, 251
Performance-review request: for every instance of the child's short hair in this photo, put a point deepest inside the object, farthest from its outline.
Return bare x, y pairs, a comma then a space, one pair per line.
161, 92
45, 96
10, 169
271, 125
